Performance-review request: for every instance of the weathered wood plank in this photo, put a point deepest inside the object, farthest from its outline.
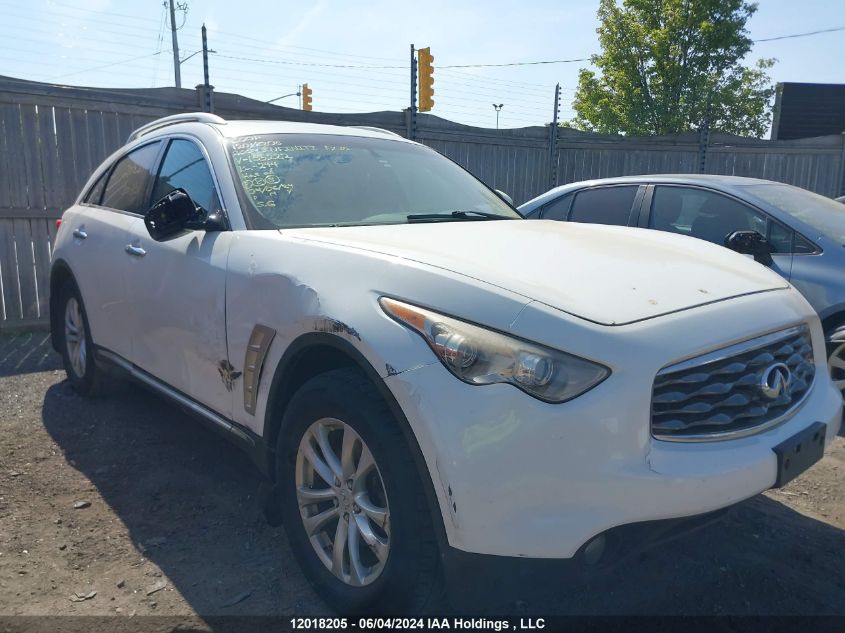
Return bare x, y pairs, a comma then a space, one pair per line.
9, 271
42, 249
66, 154
26, 268
82, 148
54, 197
31, 155
16, 195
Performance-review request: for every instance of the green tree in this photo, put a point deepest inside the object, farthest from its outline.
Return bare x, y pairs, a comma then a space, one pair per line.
666, 63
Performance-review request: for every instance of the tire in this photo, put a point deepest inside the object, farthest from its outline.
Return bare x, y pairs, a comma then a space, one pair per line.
74, 336
399, 571
836, 364
835, 347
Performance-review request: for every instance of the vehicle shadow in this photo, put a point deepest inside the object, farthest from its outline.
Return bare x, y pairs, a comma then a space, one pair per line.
26, 353
187, 499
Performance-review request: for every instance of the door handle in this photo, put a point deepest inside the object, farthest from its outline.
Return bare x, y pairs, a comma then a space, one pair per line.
137, 251
80, 234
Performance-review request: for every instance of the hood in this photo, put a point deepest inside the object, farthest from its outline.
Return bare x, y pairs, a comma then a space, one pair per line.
606, 274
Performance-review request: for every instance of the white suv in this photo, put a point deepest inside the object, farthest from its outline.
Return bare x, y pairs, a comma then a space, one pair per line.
418, 370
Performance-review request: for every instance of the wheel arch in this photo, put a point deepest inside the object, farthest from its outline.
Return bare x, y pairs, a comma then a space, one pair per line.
314, 353
833, 326
60, 274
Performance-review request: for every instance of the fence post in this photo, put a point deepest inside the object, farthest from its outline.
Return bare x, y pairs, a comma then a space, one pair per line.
553, 153
412, 110
703, 144
205, 98
842, 168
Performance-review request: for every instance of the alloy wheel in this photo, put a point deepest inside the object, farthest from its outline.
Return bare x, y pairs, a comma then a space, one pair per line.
75, 337
836, 364
343, 502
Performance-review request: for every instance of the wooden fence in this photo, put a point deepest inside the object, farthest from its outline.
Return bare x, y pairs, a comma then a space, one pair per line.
52, 137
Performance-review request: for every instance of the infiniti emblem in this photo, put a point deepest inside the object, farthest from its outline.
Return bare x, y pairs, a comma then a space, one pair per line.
775, 381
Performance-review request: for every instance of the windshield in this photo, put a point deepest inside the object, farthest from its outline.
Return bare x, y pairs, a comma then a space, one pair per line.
297, 180
823, 214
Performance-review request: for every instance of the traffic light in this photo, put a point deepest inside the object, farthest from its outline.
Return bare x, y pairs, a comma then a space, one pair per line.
425, 68
306, 98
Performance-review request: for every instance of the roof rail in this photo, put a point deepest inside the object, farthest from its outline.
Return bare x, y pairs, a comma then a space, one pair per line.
173, 119
372, 128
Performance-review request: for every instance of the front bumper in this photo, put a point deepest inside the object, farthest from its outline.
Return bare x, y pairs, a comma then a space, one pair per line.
518, 477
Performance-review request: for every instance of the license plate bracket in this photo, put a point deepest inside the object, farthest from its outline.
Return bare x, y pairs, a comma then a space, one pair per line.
799, 452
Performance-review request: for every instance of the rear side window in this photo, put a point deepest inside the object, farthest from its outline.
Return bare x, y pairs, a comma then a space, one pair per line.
185, 167
557, 209
604, 205
127, 186
95, 193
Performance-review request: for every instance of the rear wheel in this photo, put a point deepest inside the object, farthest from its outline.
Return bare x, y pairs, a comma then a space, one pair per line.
76, 345
352, 500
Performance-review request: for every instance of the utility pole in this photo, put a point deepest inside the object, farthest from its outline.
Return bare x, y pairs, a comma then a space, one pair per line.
208, 100
497, 108
553, 140
412, 111
176, 69
205, 56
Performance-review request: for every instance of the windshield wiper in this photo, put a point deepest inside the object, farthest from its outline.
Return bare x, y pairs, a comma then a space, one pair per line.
456, 215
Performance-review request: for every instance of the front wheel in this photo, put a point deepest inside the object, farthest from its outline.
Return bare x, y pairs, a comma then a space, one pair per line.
351, 498
836, 364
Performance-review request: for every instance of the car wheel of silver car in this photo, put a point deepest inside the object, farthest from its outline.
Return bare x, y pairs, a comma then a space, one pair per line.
352, 500
836, 364
75, 342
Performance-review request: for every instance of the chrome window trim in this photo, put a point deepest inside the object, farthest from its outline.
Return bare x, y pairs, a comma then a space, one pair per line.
723, 354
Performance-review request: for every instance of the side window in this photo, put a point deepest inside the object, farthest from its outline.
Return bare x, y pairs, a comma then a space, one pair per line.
95, 193
604, 205
780, 237
557, 209
185, 167
127, 185
803, 246
711, 216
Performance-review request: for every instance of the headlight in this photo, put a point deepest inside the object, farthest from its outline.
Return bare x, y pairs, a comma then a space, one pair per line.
482, 357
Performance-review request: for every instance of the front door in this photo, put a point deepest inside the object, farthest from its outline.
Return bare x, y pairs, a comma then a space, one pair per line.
712, 216
177, 290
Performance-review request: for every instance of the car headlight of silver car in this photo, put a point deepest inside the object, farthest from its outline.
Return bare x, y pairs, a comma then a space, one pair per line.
480, 356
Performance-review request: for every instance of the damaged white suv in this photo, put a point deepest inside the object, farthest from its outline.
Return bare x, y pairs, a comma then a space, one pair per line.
419, 371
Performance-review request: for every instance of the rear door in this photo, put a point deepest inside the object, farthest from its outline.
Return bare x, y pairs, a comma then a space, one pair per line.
711, 215
99, 227
616, 205
177, 287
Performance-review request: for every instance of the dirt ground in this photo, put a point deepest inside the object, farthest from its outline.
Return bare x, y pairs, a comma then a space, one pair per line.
170, 524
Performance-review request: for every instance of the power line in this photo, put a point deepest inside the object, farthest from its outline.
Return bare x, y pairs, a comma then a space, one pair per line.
807, 34
549, 61
122, 61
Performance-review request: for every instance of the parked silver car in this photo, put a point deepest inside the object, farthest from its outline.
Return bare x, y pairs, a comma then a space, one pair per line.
797, 233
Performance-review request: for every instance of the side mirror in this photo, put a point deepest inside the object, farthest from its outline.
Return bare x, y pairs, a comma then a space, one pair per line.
177, 212
504, 196
751, 243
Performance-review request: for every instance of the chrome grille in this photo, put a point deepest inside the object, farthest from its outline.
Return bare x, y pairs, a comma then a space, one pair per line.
733, 391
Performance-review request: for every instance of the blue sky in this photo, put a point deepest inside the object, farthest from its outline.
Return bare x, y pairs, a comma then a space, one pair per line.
266, 49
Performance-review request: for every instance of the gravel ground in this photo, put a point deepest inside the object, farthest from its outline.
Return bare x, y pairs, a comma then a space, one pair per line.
125, 505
